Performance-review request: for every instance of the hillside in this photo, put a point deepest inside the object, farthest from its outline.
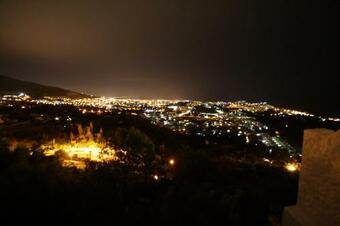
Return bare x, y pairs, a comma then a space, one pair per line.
14, 86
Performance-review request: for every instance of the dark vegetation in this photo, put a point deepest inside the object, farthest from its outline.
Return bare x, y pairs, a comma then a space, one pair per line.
202, 191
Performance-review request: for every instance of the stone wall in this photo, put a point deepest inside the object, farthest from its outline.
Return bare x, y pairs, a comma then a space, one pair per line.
319, 184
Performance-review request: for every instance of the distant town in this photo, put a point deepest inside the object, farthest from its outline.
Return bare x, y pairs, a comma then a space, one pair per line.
212, 121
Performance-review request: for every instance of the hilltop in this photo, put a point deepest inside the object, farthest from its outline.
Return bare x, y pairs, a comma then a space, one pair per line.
10, 85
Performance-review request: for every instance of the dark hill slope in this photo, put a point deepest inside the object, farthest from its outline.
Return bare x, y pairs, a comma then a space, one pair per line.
14, 86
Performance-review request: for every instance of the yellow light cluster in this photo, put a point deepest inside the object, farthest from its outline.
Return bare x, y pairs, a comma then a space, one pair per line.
292, 167
85, 146
88, 150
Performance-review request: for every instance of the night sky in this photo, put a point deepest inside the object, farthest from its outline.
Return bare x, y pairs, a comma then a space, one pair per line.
275, 50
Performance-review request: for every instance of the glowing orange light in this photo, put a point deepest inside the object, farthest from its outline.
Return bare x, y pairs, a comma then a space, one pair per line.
155, 177
85, 146
291, 167
172, 162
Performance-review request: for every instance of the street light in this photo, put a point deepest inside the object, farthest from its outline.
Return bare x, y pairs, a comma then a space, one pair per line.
172, 162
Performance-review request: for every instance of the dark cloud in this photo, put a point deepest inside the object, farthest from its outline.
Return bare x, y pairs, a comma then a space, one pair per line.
227, 49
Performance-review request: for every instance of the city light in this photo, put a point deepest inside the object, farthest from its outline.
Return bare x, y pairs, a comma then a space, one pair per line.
197, 118
172, 162
85, 146
291, 167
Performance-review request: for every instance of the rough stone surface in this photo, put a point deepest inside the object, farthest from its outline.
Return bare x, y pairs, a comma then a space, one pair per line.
319, 185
